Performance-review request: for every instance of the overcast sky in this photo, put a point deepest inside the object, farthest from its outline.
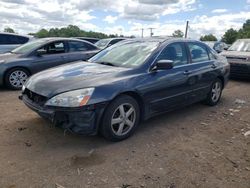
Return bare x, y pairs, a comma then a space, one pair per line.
126, 16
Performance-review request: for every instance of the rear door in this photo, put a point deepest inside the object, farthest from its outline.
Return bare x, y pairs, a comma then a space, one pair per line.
203, 67
78, 50
49, 55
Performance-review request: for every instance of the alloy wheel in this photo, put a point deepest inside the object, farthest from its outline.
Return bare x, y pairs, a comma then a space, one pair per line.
216, 91
123, 119
18, 78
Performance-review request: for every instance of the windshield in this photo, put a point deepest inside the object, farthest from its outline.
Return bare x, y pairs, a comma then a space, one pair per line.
125, 55
28, 47
241, 46
102, 43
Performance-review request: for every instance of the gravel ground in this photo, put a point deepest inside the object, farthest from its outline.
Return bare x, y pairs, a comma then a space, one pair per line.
197, 146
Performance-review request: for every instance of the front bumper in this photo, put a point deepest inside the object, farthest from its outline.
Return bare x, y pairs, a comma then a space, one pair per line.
84, 120
240, 70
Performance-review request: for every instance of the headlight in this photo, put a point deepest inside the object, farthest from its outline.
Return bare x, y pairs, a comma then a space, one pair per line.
74, 98
2, 61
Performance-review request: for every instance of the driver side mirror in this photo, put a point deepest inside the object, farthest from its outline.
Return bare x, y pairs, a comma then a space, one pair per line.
40, 52
163, 65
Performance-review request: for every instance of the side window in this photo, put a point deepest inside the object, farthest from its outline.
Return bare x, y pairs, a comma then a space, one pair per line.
12, 39
175, 52
52, 48
212, 55
198, 52
2, 39
115, 41
75, 46
22, 40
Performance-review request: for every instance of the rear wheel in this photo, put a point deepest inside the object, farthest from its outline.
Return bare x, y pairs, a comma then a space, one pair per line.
215, 93
120, 118
15, 78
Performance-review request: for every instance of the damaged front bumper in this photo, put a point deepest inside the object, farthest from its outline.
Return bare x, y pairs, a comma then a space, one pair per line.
84, 120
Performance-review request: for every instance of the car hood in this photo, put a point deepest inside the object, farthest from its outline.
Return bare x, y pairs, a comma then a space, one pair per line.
71, 77
236, 54
7, 57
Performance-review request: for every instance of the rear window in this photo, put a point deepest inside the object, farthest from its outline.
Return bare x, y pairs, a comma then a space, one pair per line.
12, 39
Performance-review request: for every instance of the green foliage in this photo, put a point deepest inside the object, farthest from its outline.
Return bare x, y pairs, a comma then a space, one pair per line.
70, 31
209, 37
178, 33
9, 30
232, 35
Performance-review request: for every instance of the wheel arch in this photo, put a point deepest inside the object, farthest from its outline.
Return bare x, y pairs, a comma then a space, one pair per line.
222, 80
138, 99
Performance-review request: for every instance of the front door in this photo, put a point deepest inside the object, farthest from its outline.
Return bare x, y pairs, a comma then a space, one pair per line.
168, 89
48, 56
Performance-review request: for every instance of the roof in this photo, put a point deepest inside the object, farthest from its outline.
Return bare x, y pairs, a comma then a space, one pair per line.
15, 34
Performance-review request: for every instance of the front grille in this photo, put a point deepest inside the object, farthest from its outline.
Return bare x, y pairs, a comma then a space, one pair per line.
240, 70
35, 98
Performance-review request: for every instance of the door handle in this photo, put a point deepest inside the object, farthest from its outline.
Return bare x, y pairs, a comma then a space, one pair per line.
187, 72
213, 66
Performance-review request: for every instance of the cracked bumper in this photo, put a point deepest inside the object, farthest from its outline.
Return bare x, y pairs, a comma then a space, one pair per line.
84, 120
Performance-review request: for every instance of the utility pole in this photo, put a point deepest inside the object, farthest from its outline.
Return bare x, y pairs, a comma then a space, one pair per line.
151, 31
142, 30
186, 33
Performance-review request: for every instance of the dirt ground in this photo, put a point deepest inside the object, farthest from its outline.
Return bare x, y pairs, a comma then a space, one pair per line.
198, 146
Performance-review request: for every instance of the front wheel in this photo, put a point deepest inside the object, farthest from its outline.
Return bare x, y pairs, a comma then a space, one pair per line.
15, 78
215, 93
120, 118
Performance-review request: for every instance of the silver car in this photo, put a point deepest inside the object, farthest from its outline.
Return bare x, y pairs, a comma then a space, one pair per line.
238, 55
10, 41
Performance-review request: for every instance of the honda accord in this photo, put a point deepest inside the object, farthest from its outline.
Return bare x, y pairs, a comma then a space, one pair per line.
127, 83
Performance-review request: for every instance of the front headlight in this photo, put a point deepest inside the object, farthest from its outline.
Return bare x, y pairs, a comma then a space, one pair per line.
74, 98
2, 61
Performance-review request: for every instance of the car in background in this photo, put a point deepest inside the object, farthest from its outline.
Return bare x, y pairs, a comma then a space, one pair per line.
89, 39
16, 66
238, 55
218, 46
104, 43
126, 83
10, 41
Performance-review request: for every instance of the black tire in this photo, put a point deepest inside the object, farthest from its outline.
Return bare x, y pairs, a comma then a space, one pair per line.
211, 100
24, 74
108, 130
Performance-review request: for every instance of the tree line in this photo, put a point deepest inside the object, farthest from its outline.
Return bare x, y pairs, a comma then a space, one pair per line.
230, 36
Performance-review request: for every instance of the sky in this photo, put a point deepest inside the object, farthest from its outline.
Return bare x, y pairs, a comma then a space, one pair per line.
126, 17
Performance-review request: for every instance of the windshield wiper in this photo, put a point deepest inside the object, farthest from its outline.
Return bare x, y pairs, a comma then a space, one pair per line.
106, 63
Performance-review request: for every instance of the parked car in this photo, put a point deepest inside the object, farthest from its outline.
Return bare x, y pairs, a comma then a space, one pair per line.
17, 65
238, 55
91, 40
104, 43
127, 83
10, 41
218, 46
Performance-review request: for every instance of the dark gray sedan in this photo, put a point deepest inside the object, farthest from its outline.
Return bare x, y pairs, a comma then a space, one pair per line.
17, 65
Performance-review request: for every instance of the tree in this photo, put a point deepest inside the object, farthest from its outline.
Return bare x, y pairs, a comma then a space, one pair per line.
209, 37
42, 33
178, 33
9, 30
230, 36
244, 32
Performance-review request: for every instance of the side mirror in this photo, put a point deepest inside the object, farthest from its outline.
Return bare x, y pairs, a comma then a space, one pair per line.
163, 65
40, 52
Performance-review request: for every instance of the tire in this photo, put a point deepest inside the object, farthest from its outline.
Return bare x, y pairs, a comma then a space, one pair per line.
116, 125
214, 94
15, 78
